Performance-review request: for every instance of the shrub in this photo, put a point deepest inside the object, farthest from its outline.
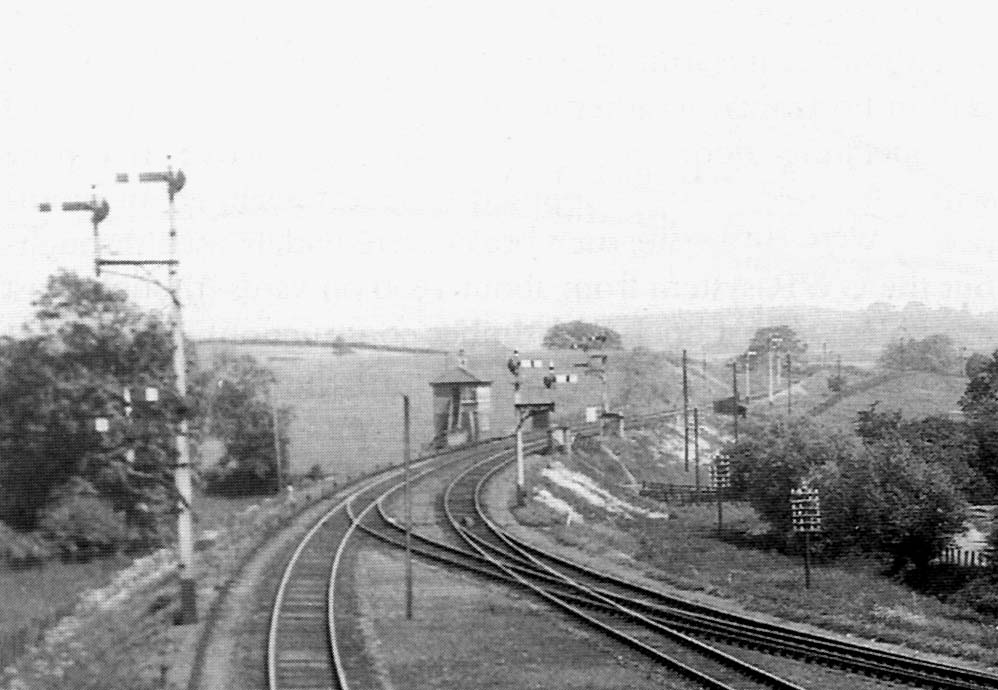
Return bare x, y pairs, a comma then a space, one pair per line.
22, 548
83, 525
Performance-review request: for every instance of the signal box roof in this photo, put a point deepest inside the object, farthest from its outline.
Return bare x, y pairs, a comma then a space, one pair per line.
459, 376
537, 405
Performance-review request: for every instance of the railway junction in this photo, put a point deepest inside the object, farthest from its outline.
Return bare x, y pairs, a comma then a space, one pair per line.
495, 607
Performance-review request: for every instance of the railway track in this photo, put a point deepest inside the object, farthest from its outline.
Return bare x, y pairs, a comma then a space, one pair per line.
303, 648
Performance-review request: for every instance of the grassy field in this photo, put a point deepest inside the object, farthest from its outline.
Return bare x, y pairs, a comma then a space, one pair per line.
917, 394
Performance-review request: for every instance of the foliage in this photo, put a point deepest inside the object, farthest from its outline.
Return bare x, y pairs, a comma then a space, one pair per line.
21, 549
980, 408
783, 340
581, 335
976, 364
86, 343
769, 460
938, 440
935, 354
836, 383
872, 426
888, 499
882, 497
642, 385
81, 524
241, 415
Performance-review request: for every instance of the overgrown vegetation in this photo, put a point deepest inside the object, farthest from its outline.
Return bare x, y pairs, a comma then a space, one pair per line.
581, 335
935, 353
86, 344
887, 495
68, 489
642, 385
242, 414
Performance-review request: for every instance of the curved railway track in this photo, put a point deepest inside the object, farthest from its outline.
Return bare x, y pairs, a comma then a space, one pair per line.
303, 648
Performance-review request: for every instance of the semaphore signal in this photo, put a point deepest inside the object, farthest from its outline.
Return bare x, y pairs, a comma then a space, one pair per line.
99, 210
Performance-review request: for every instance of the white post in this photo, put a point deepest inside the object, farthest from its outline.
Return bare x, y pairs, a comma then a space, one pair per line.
182, 475
748, 379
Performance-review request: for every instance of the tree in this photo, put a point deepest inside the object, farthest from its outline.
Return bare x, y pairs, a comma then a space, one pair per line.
783, 339
643, 386
769, 460
241, 414
935, 354
872, 426
938, 440
891, 500
880, 497
581, 335
976, 364
980, 408
86, 343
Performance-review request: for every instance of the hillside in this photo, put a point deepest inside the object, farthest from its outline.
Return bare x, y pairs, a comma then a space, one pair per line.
916, 394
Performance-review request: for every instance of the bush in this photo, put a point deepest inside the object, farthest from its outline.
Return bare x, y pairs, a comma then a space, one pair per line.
83, 525
21, 549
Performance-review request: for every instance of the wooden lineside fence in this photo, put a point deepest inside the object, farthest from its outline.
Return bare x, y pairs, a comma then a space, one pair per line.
679, 493
962, 557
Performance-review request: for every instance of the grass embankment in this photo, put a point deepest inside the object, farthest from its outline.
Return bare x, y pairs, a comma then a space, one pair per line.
917, 394
684, 552
36, 597
121, 635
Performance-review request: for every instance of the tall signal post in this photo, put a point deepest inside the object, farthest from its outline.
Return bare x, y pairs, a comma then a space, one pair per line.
175, 180
748, 377
99, 210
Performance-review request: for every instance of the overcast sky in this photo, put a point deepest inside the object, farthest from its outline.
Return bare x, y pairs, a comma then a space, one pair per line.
377, 164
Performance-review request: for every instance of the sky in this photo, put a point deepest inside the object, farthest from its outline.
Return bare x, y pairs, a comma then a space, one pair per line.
377, 165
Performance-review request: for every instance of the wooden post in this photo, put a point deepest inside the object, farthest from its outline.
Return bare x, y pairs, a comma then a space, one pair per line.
408, 508
734, 395
788, 384
696, 450
686, 418
717, 492
807, 559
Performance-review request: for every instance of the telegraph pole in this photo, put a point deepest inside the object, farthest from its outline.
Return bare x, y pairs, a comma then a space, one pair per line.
769, 354
686, 418
408, 508
788, 384
734, 395
696, 450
